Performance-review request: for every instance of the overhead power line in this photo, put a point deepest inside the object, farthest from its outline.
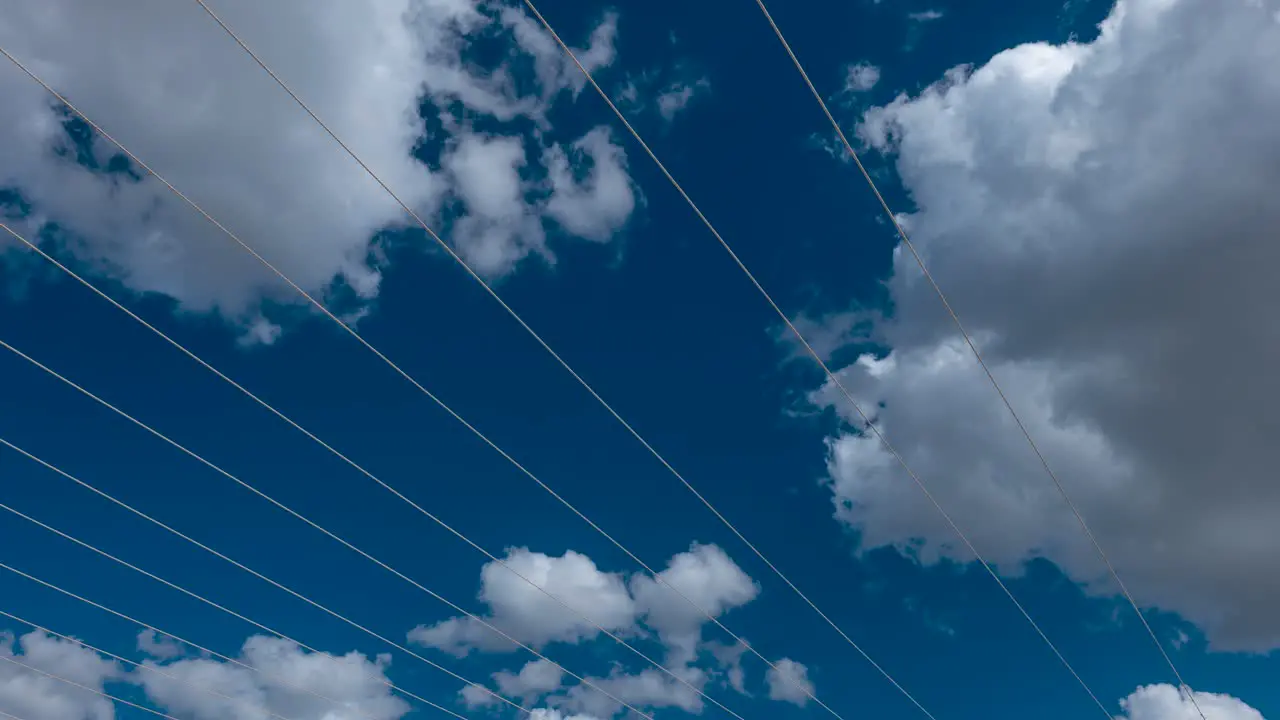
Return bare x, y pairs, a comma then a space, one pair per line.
973, 348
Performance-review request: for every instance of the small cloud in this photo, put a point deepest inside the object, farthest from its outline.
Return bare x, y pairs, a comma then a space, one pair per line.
678, 95
161, 647
641, 91
926, 16
860, 77
789, 681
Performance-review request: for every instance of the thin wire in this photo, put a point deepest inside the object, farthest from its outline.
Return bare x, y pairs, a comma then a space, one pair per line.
86, 688
275, 678
199, 597
358, 467
742, 266
955, 317
401, 372
510, 311
143, 666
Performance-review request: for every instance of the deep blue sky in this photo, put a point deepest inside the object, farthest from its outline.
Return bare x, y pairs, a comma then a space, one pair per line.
669, 332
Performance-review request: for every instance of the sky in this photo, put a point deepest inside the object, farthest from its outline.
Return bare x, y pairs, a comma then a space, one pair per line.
1085, 180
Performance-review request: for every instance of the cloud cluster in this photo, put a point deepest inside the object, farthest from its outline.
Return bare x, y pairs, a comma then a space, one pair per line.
195, 687
1100, 214
639, 609
165, 80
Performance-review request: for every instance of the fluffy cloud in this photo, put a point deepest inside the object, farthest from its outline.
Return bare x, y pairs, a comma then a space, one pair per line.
1164, 702
860, 77
1100, 215
649, 688
33, 696
198, 688
707, 577
158, 646
527, 614
171, 86
534, 680
789, 681
634, 608
356, 683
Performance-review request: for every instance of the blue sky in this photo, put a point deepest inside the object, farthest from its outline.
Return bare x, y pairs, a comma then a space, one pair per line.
656, 318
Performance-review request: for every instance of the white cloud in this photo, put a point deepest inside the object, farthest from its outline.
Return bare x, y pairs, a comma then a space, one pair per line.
553, 714
197, 688
598, 205
355, 682
33, 696
170, 85
925, 16
678, 95
635, 609
527, 614
158, 646
706, 576
1100, 215
729, 657
789, 681
860, 77
648, 688
536, 679
1164, 702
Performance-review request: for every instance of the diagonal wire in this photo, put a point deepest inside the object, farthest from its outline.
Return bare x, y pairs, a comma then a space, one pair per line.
362, 470
86, 688
201, 598
287, 682
274, 583
325, 311
157, 669
955, 317
773, 304
515, 316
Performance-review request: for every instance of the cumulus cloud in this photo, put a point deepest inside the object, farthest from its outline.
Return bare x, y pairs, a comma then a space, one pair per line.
648, 688
789, 681
527, 614
638, 608
197, 688
287, 674
164, 80
706, 576
1164, 702
534, 680
31, 695
1100, 215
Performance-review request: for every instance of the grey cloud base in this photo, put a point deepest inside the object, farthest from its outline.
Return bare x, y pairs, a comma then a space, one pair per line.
1102, 217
